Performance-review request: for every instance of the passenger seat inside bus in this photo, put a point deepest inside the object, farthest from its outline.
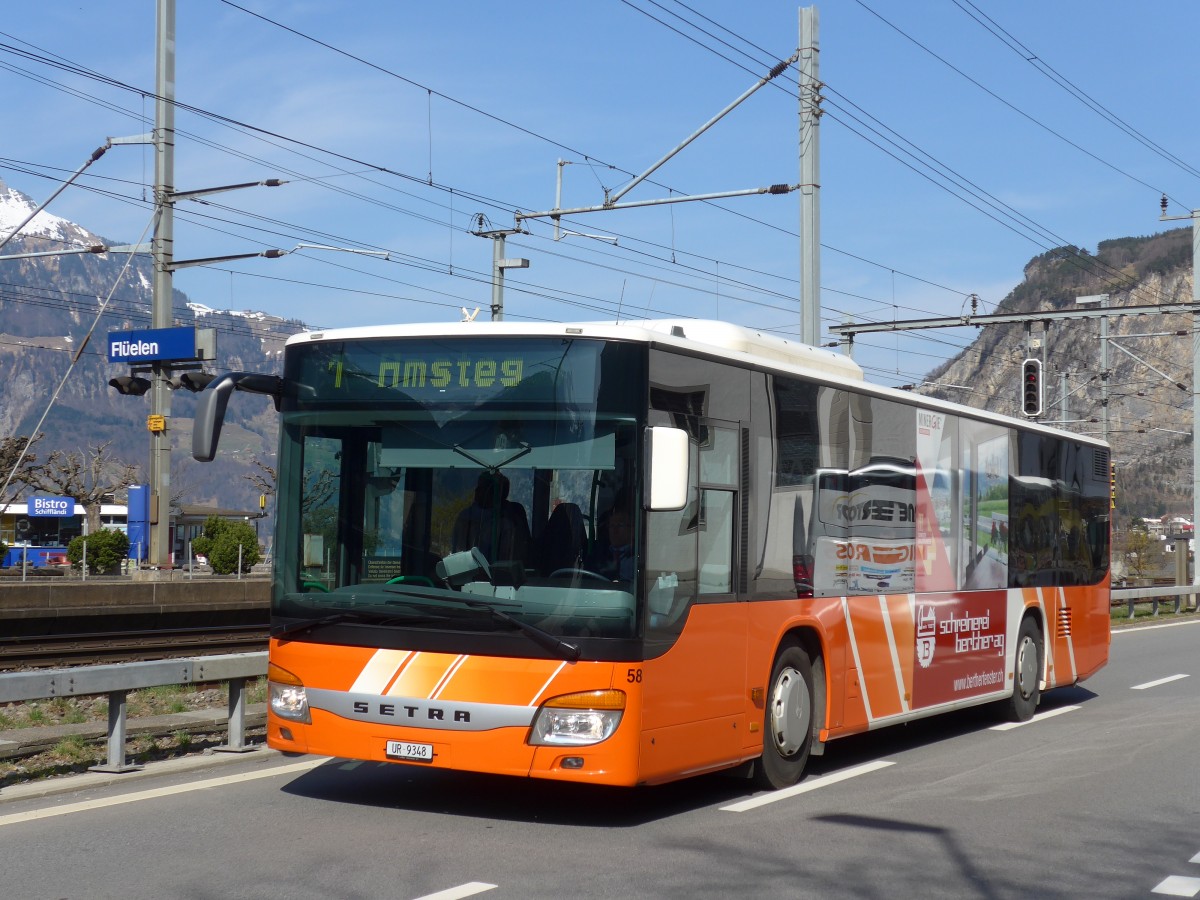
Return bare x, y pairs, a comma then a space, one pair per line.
563, 542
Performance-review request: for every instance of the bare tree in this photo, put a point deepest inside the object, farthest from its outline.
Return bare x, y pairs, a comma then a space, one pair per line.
14, 464
181, 482
86, 476
1136, 548
264, 479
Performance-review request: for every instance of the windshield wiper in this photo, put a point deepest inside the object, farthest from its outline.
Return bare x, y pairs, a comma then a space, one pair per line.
569, 652
543, 638
349, 615
525, 448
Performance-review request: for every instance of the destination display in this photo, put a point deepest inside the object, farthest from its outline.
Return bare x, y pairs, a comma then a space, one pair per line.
448, 372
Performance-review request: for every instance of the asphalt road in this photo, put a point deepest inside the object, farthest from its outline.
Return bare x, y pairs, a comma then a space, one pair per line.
1099, 796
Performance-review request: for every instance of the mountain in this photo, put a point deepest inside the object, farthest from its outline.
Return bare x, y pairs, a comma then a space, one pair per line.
48, 308
1149, 411
49, 304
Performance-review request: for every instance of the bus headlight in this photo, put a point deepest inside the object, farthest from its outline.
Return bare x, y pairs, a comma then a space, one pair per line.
287, 696
575, 720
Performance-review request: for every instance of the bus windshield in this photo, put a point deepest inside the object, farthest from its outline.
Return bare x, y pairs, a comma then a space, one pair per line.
459, 484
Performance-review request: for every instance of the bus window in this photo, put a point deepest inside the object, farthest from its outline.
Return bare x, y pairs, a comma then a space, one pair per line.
716, 530
320, 498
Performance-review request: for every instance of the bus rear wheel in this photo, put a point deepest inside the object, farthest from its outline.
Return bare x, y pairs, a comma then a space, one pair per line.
1027, 672
787, 720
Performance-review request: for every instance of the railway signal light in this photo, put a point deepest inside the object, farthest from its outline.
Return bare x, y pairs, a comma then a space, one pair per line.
1031, 387
130, 384
195, 381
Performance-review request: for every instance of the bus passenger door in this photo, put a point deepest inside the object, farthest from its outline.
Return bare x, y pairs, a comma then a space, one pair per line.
694, 687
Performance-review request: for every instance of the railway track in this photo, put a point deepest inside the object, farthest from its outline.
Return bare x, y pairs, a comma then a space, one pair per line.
42, 651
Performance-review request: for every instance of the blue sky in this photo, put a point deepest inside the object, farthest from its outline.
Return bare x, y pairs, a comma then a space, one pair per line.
483, 99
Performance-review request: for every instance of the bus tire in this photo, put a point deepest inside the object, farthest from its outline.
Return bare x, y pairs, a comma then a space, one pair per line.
1027, 672
787, 720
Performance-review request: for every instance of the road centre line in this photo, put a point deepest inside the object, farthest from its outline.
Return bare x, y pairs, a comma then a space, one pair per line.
137, 796
1150, 684
1048, 714
470, 889
806, 786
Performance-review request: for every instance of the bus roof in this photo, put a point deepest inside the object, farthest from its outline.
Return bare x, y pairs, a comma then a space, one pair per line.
695, 335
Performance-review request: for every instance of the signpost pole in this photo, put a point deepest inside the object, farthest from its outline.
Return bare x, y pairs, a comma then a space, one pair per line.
163, 254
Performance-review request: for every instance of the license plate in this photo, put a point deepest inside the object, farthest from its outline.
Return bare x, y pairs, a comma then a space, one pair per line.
409, 750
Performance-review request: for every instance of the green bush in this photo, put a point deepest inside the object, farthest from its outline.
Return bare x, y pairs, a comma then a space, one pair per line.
220, 543
106, 551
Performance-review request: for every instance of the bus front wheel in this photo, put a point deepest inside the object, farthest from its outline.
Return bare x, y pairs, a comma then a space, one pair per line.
787, 720
1027, 672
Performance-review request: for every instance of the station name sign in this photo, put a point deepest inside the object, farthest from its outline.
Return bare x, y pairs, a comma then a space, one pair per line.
51, 507
152, 344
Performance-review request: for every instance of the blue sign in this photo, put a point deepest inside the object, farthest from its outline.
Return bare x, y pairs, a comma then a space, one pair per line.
50, 507
150, 344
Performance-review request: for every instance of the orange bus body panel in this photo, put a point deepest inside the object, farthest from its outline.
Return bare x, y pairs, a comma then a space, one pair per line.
700, 706
696, 711
394, 675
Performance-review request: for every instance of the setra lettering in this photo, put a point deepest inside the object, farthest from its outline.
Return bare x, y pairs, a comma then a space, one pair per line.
405, 711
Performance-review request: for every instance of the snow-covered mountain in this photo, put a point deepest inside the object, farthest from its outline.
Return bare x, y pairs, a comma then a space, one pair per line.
48, 306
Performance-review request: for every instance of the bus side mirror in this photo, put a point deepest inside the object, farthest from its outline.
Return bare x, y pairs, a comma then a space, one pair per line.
213, 400
210, 416
666, 467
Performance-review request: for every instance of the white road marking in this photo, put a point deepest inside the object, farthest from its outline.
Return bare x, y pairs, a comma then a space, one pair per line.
470, 889
805, 786
1178, 886
1048, 714
138, 796
1150, 684
1138, 629
1195, 859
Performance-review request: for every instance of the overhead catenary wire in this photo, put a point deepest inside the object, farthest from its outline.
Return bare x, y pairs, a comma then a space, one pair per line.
723, 264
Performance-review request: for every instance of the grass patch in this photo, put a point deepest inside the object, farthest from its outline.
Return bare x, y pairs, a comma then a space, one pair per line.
165, 698
256, 690
1143, 613
74, 750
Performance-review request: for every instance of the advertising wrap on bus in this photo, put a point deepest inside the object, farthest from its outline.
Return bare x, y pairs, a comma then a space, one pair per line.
864, 531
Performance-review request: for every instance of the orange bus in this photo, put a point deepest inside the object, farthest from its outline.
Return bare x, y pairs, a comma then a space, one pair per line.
626, 554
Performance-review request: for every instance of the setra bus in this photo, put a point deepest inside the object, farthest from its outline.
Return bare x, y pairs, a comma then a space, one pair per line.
629, 553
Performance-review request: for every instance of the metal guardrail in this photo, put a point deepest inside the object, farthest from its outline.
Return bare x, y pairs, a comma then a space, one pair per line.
1133, 596
119, 679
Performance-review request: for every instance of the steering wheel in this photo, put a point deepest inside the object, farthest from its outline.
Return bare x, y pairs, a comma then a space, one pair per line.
411, 579
314, 585
587, 573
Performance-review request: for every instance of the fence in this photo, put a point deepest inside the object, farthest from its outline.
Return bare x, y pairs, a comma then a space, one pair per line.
1154, 595
119, 679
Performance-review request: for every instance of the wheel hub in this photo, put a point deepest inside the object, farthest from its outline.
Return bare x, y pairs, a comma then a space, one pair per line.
1027, 668
790, 715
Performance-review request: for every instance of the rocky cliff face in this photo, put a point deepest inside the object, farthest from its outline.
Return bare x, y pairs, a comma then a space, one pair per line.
1150, 415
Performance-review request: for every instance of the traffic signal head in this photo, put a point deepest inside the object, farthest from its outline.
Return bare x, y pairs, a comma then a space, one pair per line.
195, 381
130, 384
1031, 387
